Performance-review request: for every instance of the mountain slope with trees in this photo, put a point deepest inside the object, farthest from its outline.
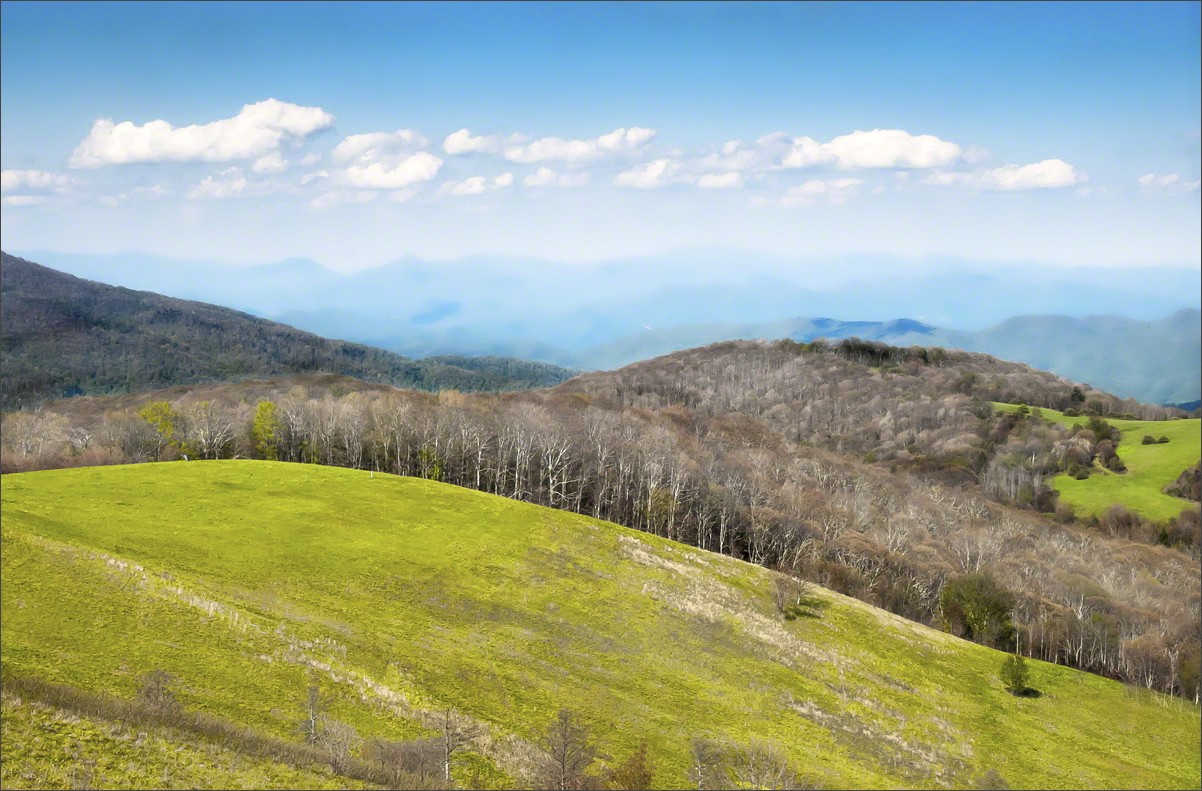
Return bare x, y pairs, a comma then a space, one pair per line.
63, 336
1153, 361
887, 474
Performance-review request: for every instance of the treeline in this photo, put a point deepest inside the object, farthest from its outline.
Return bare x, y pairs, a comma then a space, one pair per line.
916, 535
61, 336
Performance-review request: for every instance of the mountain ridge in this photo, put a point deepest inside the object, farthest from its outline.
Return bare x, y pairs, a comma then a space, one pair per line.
62, 335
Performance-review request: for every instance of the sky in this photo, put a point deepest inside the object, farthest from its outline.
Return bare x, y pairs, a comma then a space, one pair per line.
356, 134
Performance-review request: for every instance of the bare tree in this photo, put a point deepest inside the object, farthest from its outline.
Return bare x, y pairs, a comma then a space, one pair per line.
340, 740
457, 732
569, 752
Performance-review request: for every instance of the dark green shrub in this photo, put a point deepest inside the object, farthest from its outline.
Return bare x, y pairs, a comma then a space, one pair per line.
1014, 674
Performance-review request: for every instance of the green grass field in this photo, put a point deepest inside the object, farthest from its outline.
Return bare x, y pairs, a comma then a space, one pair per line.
1149, 467
403, 596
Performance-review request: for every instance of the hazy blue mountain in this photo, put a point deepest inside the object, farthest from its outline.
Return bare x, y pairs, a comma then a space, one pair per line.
603, 315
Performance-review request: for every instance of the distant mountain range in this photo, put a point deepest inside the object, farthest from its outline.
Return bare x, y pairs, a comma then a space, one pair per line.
609, 314
63, 336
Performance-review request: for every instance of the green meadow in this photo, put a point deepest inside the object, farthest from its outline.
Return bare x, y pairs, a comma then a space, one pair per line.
401, 597
1149, 467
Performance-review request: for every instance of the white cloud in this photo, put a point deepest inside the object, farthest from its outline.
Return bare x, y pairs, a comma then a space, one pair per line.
649, 175
417, 168
272, 163
311, 159
720, 181
229, 184
462, 142
321, 174
373, 146
335, 197
545, 177
1049, 174
947, 179
24, 200
554, 148
155, 191
31, 179
834, 191
880, 148
257, 130
476, 185
1168, 183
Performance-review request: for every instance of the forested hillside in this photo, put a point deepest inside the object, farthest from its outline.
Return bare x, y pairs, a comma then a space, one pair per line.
887, 474
63, 336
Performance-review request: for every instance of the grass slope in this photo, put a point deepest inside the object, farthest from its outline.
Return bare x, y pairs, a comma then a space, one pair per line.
1149, 467
403, 596
46, 747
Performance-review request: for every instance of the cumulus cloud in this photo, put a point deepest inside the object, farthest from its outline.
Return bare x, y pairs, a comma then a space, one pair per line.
620, 140
476, 185
414, 169
545, 177
321, 174
335, 197
24, 200
880, 148
31, 179
1168, 183
257, 130
462, 142
373, 146
649, 175
712, 181
833, 191
272, 163
311, 159
228, 184
1049, 174
154, 191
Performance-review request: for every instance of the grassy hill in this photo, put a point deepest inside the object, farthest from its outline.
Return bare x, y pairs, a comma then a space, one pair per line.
63, 336
404, 596
1149, 467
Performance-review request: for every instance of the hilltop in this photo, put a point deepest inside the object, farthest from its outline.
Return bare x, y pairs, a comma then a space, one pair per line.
402, 597
1154, 361
63, 336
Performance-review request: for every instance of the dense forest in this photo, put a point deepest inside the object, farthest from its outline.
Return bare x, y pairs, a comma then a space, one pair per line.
877, 471
63, 336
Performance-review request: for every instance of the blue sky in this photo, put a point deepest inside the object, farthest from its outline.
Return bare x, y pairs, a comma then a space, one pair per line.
1064, 134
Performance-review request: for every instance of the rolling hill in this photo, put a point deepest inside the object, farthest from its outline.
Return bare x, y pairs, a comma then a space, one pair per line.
1153, 361
400, 598
63, 336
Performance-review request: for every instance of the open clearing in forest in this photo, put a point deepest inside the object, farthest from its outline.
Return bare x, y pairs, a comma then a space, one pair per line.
402, 596
1149, 467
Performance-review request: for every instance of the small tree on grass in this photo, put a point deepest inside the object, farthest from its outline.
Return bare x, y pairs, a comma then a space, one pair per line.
156, 688
636, 773
457, 732
569, 752
313, 715
340, 740
1014, 674
707, 764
